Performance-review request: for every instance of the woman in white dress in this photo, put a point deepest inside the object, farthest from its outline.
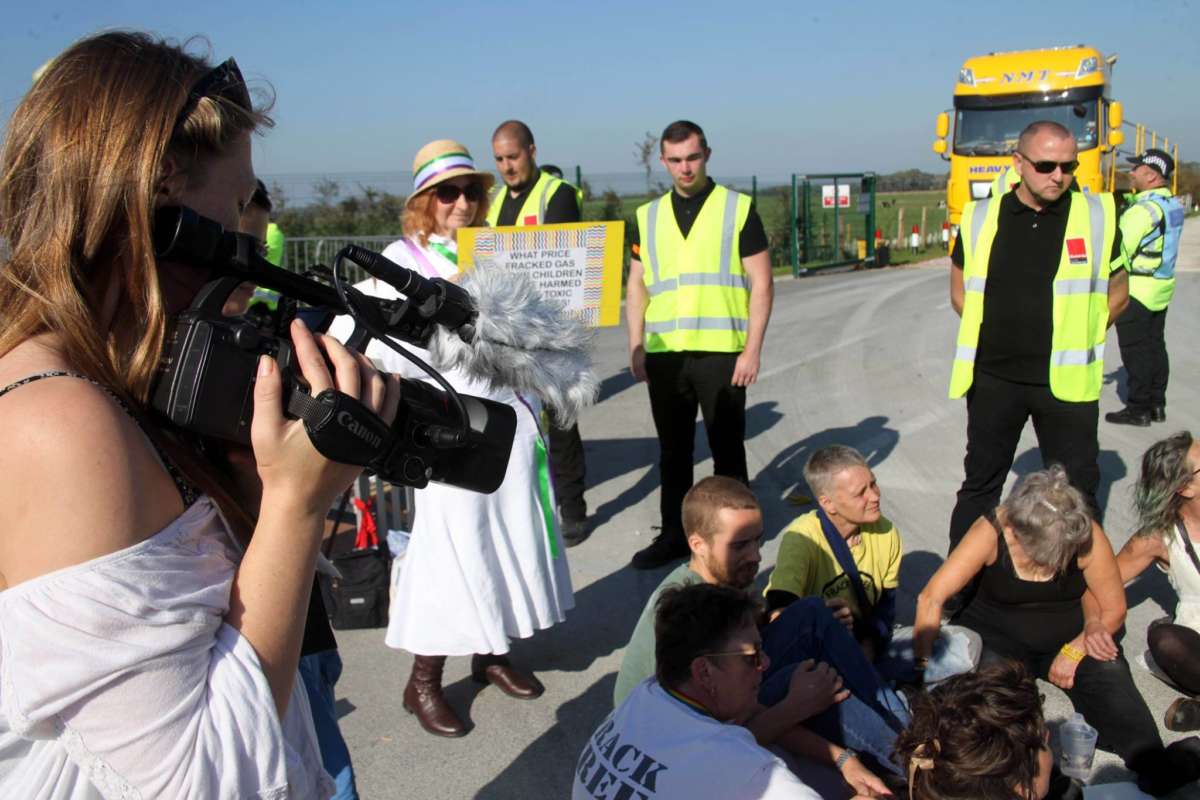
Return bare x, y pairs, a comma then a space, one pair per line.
1168, 505
149, 643
479, 569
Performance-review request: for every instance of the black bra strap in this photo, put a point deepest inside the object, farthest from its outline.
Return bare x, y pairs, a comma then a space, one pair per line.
187, 493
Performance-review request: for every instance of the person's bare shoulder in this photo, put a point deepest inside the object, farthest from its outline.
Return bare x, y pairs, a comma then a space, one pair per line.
79, 480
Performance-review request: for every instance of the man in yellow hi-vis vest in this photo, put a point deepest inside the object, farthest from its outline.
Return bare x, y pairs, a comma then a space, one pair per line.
697, 303
1038, 275
1150, 227
529, 196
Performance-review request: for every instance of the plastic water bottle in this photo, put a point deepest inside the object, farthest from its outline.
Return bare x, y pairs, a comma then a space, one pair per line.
1077, 740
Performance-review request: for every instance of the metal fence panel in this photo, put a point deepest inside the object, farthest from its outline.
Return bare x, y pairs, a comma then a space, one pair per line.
303, 252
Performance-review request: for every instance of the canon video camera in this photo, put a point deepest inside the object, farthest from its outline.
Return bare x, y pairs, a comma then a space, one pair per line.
206, 377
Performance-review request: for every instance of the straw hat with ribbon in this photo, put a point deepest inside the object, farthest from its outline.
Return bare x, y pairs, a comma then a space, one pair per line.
442, 160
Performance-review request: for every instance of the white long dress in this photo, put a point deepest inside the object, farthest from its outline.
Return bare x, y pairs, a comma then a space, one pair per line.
479, 569
120, 679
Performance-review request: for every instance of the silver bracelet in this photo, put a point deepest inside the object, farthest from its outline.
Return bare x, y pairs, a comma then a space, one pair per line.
846, 755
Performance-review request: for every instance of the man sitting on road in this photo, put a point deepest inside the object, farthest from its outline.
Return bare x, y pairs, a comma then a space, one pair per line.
848, 554
679, 735
724, 528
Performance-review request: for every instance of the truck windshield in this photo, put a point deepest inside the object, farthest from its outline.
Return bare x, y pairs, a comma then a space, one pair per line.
994, 131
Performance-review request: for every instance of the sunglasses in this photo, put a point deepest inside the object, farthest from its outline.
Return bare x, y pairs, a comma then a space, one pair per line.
1046, 167
224, 81
754, 659
450, 192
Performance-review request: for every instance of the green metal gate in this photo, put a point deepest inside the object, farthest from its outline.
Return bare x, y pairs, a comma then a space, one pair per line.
829, 233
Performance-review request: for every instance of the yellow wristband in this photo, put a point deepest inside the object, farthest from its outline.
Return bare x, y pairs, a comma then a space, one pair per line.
1072, 652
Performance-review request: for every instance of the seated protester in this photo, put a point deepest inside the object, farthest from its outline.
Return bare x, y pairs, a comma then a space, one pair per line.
1050, 597
848, 554
942, 752
681, 734
724, 528
1168, 506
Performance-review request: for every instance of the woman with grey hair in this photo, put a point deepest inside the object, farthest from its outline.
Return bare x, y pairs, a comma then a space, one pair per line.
1050, 596
1168, 506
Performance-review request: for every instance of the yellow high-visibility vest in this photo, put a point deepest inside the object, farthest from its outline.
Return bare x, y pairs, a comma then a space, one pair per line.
1150, 231
533, 210
1005, 181
699, 291
1080, 310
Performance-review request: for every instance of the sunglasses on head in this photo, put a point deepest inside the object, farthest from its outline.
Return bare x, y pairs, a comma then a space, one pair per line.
224, 81
450, 192
1046, 167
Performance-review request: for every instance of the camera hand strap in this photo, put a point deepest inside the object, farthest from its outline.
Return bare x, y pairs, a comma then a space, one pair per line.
341, 428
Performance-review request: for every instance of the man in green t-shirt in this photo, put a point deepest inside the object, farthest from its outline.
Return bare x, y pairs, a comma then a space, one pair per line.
724, 527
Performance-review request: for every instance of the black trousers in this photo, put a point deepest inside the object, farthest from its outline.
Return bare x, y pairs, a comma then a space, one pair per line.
1141, 335
678, 384
996, 414
569, 470
1104, 692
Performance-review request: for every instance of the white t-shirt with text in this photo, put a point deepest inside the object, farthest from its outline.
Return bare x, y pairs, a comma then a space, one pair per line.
656, 746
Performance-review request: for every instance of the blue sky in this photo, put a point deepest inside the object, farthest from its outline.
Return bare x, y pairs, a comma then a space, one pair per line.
778, 86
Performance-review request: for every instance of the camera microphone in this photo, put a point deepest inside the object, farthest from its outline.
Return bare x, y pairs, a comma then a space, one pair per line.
437, 301
523, 341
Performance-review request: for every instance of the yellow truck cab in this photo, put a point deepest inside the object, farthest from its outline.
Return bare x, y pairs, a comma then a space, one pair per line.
998, 94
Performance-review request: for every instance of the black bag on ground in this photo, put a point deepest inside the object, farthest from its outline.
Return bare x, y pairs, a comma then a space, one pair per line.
359, 597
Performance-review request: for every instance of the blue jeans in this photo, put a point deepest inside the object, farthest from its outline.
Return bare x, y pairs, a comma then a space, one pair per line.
870, 718
320, 672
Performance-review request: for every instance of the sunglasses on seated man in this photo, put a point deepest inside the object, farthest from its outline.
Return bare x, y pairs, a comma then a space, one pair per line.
754, 659
1046, 167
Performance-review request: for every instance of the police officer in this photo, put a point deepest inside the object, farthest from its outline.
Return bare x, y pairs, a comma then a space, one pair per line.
697, 303
1150, 228
529, 196
1037, 277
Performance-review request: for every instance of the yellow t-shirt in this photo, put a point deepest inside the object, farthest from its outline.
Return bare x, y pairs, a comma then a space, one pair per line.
807, 567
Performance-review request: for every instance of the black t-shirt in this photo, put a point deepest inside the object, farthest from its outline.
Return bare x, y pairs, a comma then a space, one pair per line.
1018, 303
563, 205
752, 239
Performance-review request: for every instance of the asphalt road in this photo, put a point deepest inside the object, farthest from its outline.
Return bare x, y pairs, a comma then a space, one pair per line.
859, 358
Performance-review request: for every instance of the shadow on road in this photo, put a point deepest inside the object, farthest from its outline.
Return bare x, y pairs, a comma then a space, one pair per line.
1121, 378
613, 385
1112, 469
783, 475
916, 568
546, 767
612, 458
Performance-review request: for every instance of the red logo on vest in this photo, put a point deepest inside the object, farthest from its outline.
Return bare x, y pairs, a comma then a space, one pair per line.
530, 219
1077, 251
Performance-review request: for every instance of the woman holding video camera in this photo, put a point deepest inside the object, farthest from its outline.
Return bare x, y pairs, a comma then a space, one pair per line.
150, 626
479, 569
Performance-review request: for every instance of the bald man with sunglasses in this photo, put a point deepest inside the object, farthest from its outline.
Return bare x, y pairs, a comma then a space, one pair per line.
1038, 274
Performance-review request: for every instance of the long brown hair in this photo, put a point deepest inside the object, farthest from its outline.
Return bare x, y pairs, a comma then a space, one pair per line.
80, 169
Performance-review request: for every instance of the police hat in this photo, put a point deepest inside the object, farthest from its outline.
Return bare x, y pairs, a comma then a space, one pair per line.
1158, 160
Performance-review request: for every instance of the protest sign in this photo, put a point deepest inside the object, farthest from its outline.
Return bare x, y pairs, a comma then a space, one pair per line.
577, 263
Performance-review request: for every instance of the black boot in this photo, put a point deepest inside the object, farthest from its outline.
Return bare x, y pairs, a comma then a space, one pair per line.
1158, 414
1129, 416
665, 548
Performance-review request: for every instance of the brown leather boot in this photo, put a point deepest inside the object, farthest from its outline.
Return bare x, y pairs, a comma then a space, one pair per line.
423, 697
497, 671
